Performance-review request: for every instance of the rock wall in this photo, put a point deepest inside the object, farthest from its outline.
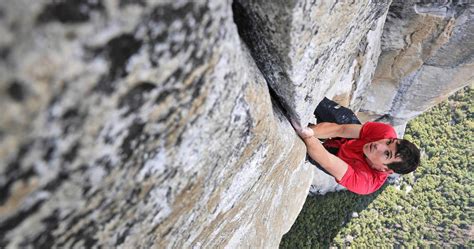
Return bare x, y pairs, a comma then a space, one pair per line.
140, 124
165, 123
427, 54
304, 48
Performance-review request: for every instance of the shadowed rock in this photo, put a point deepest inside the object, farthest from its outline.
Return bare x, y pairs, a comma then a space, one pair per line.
304, 48
151, 124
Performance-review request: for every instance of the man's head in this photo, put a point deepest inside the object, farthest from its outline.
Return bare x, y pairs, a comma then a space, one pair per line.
392, 155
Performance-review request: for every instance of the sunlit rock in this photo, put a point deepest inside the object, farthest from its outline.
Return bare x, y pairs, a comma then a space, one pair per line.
427, 54
305, 48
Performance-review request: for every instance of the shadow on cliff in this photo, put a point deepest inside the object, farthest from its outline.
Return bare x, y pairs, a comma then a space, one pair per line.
323, 216
269, 55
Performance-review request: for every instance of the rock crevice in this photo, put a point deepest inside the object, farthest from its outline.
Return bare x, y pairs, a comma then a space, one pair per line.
154, 124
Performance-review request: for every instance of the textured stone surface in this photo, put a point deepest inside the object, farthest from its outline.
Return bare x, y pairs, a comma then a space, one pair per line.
151, 124
322, 182
139, 124
304, 48
350, 89
427, 54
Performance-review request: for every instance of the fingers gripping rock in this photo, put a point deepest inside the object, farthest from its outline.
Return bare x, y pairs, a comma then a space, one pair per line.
303, 132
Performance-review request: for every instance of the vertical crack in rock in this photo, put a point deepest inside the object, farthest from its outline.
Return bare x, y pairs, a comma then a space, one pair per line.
177, 129
271, 68
302, 55
399, 99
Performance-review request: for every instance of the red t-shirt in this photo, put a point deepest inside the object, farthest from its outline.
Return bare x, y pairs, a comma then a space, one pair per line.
359, 177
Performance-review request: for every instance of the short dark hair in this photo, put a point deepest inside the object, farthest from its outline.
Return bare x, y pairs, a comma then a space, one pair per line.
410, 155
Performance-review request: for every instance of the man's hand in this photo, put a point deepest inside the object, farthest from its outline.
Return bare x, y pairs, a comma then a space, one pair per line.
332, 164
304, 132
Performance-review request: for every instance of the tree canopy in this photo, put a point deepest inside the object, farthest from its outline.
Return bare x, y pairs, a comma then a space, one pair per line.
430, 207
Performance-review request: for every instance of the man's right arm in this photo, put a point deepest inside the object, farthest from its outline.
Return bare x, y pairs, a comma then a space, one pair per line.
329, 130
332, 164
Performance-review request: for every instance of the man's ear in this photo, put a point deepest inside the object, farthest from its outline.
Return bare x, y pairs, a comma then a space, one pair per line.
387, 170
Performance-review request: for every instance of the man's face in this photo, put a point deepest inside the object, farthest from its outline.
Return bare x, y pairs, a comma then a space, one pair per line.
380, 153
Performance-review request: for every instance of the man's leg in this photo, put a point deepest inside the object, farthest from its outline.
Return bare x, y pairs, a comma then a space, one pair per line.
330, 111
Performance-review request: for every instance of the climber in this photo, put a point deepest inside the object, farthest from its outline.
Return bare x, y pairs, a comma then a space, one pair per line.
360, 157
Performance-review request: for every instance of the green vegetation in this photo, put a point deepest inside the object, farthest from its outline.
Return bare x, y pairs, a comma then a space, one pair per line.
432, 207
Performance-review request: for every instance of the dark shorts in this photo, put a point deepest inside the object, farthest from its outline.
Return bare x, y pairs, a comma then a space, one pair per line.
330, 111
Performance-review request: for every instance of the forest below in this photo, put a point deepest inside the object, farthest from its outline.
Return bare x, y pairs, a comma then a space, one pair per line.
430, 207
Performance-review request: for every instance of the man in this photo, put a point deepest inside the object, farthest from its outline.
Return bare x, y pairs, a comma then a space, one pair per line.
366, 155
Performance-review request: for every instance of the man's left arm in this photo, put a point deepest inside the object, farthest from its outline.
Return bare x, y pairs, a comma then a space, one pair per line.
332, 164
329, 130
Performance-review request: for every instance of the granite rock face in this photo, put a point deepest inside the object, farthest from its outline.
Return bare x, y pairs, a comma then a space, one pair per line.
140, 124
304, 48
427, 54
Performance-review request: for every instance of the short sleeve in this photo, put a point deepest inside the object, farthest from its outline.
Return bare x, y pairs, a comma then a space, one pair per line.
375, 131
359, 182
